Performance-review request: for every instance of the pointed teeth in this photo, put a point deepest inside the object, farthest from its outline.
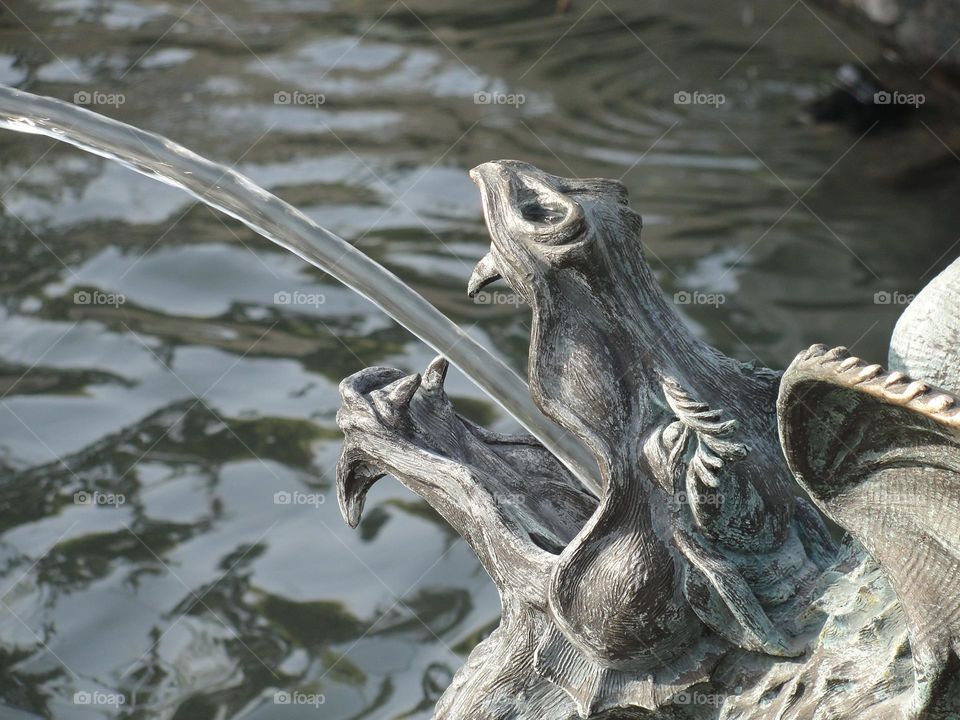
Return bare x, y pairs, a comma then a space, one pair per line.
435, 374
396, 395
484, 273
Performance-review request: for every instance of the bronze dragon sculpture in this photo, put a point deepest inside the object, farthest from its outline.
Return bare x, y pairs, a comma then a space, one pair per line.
702, 582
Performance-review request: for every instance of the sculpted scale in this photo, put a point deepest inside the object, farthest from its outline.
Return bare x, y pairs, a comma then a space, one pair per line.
764, 545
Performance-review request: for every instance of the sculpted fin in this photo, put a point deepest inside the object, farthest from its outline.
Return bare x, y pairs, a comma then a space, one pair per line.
879, 453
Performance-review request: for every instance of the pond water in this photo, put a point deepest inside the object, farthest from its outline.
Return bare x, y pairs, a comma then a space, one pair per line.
166, 373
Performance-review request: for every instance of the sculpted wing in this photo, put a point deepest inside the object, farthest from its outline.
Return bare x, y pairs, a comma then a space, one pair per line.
879, 453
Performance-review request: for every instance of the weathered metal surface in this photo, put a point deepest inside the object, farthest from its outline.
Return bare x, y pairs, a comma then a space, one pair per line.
700, 584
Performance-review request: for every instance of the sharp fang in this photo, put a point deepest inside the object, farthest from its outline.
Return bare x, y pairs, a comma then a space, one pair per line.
484, 273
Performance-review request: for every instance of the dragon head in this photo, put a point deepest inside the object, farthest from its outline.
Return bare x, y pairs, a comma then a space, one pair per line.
541, 224
560, 243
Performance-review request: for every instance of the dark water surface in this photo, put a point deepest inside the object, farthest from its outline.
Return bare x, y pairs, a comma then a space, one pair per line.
155, 353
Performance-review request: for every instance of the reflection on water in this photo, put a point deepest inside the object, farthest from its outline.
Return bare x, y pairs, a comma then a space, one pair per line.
150, 359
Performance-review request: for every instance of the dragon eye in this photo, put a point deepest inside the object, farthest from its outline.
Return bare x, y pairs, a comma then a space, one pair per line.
547, 214
537, 211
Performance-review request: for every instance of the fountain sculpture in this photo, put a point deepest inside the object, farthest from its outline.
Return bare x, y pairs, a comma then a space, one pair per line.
681, 535
699, 582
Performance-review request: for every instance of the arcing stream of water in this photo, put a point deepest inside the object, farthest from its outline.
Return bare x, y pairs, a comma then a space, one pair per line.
237, 196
